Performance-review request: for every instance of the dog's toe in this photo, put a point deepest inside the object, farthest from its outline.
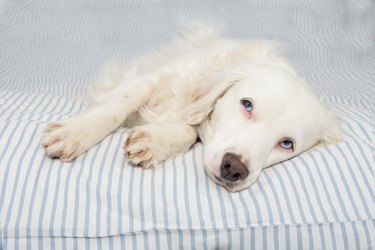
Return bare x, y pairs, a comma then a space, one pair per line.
138, 148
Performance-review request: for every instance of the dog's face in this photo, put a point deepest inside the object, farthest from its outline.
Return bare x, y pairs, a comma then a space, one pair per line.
263, 119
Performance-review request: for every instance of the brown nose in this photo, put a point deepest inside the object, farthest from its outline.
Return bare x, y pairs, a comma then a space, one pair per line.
232, 169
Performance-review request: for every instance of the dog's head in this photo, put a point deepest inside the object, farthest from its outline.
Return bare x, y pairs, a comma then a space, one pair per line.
262, 115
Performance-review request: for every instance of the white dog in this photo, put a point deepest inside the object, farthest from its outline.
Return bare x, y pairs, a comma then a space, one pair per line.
247, 105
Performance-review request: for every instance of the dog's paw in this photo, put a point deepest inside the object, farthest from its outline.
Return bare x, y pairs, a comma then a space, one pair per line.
62, 140
141, 148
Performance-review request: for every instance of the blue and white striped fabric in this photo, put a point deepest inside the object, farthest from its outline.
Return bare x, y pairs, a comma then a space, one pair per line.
49, 53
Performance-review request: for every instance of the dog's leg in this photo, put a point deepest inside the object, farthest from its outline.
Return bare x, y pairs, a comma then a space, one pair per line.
151, 144
71, 137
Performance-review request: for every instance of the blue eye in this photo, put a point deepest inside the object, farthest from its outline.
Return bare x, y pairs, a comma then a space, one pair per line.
287, 144
247, 104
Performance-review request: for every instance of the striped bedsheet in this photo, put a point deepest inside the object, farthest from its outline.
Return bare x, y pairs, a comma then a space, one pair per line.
49, 53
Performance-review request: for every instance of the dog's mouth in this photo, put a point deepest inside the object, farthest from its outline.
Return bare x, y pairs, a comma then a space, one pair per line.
230, 186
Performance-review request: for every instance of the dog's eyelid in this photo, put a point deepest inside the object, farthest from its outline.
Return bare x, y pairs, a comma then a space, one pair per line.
287, 139
247, 99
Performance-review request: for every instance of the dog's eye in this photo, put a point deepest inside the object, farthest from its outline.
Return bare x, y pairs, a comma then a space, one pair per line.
247, 104
287, 144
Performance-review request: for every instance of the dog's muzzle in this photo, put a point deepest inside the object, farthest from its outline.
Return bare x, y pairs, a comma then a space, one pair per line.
232, 169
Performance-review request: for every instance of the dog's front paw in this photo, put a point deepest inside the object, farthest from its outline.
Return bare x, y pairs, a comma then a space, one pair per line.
61, 140
141, 148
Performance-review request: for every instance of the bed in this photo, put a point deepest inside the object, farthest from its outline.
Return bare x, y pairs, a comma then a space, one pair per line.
49, 54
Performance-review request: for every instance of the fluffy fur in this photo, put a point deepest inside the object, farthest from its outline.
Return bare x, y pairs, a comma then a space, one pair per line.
193, 88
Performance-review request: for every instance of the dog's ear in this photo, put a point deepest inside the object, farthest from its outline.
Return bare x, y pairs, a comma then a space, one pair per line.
203, 96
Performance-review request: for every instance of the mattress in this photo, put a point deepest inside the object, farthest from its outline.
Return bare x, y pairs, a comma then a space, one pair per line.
50, 52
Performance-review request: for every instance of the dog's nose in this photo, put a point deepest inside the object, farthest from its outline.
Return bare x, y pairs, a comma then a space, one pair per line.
232, 169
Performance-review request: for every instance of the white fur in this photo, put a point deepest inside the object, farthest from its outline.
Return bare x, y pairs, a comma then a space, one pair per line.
192, 88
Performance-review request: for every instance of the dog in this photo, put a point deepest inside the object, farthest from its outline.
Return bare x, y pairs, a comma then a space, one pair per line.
242, 99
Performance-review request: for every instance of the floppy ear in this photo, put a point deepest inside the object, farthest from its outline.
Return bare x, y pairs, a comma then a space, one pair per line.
203, 96
331, 130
